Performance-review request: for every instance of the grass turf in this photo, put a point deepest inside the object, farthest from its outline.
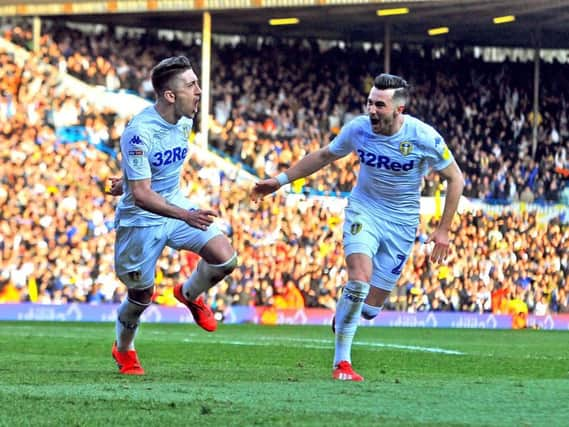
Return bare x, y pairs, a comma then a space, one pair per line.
62, 374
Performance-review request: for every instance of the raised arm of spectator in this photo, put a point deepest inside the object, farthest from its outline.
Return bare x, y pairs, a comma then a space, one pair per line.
455, 184
311, 163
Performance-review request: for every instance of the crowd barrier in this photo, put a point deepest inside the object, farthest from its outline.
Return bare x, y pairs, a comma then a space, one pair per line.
272, 316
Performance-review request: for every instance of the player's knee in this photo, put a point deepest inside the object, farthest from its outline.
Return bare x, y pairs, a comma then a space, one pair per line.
141, 297
370, 312
230, 265
216, 272
356, 290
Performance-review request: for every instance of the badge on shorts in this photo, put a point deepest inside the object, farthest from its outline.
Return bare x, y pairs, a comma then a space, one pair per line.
356, 228
134, 276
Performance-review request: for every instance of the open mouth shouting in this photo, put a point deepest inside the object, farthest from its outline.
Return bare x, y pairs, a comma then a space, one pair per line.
375, 123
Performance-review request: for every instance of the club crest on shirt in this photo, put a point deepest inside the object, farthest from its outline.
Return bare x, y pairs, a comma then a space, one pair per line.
405, 148
186, 129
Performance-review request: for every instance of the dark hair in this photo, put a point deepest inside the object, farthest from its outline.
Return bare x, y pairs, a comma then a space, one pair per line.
389, 81
163, 72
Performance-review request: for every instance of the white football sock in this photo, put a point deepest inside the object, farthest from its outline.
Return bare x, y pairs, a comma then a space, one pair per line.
128, 318
205, 276
348, 313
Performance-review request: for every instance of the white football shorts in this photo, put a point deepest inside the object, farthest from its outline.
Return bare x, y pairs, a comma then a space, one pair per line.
388, 245
137, 249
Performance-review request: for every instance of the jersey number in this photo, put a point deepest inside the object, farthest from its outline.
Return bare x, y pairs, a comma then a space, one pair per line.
399, 267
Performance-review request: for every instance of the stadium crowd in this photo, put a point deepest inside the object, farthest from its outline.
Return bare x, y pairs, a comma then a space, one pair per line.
56, 224
274, 102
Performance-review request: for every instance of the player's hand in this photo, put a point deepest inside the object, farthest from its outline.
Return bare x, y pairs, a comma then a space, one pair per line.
441, 241
199, 218
114, 186
263, 188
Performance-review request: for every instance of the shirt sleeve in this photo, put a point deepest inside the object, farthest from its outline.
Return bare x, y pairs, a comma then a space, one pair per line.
135, 148
344, 143
437, 152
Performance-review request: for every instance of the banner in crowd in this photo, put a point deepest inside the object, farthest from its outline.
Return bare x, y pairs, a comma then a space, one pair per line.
272, 316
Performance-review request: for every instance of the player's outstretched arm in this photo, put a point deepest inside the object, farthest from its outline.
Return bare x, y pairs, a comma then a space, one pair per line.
306, 166
264, 187
455, 185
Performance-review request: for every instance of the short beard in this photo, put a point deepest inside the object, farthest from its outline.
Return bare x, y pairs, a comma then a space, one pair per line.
386, 124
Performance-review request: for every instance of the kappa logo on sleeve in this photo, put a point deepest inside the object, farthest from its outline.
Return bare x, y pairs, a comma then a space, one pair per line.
135, 140
440, 145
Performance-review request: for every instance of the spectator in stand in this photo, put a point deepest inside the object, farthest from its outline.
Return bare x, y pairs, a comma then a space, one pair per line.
288, 297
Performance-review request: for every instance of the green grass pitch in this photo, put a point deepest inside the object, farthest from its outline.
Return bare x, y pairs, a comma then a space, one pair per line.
62, 374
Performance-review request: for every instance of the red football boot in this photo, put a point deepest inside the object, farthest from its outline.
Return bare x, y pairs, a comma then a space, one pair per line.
345, 372
202, 313
127, 361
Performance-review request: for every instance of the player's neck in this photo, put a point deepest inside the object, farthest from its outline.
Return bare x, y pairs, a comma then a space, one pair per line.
166, 112
397, 124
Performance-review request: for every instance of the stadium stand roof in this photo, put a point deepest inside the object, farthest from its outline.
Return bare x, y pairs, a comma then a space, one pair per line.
470, 22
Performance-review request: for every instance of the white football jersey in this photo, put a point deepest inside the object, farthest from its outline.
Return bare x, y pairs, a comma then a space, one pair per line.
392, 167
152, 149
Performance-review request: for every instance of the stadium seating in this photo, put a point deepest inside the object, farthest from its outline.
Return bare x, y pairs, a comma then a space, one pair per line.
59, 253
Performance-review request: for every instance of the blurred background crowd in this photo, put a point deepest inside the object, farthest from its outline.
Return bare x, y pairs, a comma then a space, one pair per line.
272, 104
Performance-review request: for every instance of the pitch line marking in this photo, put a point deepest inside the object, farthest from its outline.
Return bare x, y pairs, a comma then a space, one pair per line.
323, 344
307, 342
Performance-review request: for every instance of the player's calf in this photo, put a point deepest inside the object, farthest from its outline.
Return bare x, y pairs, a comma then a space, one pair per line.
128, 317
347, 317
205, 276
